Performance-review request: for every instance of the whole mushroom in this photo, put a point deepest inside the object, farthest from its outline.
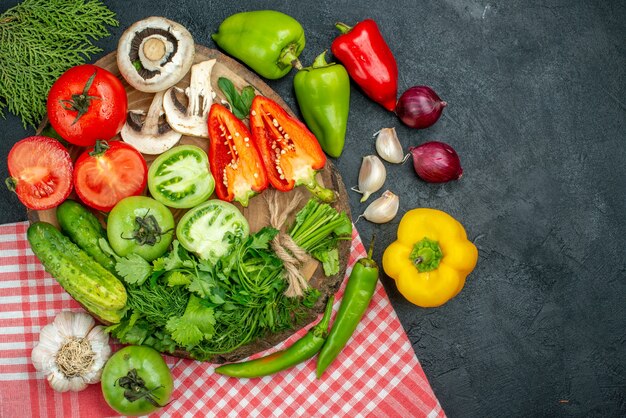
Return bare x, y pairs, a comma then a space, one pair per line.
155, 53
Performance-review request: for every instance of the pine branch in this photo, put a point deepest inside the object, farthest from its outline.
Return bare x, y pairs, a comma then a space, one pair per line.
41, 39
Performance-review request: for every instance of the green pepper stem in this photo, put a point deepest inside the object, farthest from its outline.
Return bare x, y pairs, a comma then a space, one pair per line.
343, 28
322, 193
426, 255
320, 60
289, 57
370, 250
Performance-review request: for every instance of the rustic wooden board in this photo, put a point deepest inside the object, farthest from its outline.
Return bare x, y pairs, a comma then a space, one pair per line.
257, 212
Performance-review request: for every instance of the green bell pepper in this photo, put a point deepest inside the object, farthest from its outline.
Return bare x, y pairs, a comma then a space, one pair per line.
323, 94
267, 41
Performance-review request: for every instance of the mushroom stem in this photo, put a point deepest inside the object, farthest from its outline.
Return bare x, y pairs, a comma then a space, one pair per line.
154, 49
151, 123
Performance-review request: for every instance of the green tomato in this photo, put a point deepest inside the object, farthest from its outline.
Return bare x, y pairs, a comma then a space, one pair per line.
180, 177
140, 225
211, 229
136, 381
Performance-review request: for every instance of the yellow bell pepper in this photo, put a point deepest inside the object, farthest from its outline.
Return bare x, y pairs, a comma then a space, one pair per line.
431, 257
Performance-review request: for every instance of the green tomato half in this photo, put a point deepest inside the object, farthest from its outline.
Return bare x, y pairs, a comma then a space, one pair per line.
140, 225
211, 229
180, 177
142, 370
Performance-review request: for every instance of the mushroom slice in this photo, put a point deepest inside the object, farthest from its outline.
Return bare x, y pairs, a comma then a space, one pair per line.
150, 133
191, 119
155, 53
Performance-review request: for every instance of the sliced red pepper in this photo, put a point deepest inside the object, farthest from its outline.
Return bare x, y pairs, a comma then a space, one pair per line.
234, 158
291, 153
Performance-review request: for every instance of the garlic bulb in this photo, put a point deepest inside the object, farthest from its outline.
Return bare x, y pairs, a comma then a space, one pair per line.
71, 351
382, 209
388, 146
371, 176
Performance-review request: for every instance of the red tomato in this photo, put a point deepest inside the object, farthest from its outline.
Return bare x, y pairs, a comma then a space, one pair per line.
87, 103
41, 172
107, 173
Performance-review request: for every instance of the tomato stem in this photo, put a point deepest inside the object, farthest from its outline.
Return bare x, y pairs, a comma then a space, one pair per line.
80, 102
135, 388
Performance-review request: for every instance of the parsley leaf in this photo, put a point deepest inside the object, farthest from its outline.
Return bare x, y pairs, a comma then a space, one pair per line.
196, 324
133, 269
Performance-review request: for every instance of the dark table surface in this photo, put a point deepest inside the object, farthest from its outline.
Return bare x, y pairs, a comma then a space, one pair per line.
537, 113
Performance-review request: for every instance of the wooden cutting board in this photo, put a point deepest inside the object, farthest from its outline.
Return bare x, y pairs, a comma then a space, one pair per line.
257, 212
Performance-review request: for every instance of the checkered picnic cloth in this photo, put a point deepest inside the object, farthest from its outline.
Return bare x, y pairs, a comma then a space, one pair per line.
377, 374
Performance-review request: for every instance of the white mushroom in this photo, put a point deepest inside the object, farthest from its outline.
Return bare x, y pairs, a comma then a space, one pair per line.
191, 119
150, 134
155, 53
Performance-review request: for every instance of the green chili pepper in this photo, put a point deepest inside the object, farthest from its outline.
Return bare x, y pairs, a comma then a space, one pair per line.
323, 94
356, 298
303, 349
267, 41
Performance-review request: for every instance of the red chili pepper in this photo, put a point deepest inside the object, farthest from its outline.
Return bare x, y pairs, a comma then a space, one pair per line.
369, 61
234, 158
290, 151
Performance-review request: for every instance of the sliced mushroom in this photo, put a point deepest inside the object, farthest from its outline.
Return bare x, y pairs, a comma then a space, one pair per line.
150, 133
191, 119
155, 53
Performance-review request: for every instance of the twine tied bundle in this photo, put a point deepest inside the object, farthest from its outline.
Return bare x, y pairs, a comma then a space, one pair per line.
284, 246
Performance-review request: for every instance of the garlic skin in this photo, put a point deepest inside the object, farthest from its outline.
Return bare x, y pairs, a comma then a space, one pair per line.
372, 176
383, 209
71, 351
388, 146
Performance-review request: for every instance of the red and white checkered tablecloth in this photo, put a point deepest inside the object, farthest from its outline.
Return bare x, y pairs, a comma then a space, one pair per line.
377, 374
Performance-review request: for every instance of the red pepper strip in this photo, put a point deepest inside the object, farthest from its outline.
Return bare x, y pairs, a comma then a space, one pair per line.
234, 158
369, 61
290, 151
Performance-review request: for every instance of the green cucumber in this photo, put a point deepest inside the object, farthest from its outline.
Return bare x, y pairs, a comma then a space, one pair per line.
84, 229
88, 282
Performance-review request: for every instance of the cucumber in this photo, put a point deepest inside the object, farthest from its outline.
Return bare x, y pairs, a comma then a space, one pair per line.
84, 230
88, 282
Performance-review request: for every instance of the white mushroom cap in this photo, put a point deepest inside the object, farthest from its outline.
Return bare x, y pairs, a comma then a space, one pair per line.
155, 53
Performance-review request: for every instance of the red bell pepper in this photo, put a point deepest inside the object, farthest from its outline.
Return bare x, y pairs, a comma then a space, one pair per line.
369, 61
290, 152
234, 158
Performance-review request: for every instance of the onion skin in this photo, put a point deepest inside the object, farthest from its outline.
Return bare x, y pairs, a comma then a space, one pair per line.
419, 107
436, 162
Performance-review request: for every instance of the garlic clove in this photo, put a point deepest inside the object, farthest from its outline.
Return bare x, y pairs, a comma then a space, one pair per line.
388, 146
383, 209
372, 176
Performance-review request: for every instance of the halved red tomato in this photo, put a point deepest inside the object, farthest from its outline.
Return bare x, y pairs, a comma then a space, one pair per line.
108, 172
40, 171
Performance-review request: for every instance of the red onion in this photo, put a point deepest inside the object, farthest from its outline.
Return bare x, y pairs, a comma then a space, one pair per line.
419, 107
436, 162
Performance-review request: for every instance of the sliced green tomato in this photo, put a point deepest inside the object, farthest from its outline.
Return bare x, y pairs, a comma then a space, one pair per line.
180, 177
211, 229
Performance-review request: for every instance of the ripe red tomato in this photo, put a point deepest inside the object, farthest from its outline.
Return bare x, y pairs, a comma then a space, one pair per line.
87, 103
41, 172
109, 172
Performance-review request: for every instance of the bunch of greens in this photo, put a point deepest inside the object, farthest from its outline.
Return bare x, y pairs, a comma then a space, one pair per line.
181, 301
317, 229
41, 39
